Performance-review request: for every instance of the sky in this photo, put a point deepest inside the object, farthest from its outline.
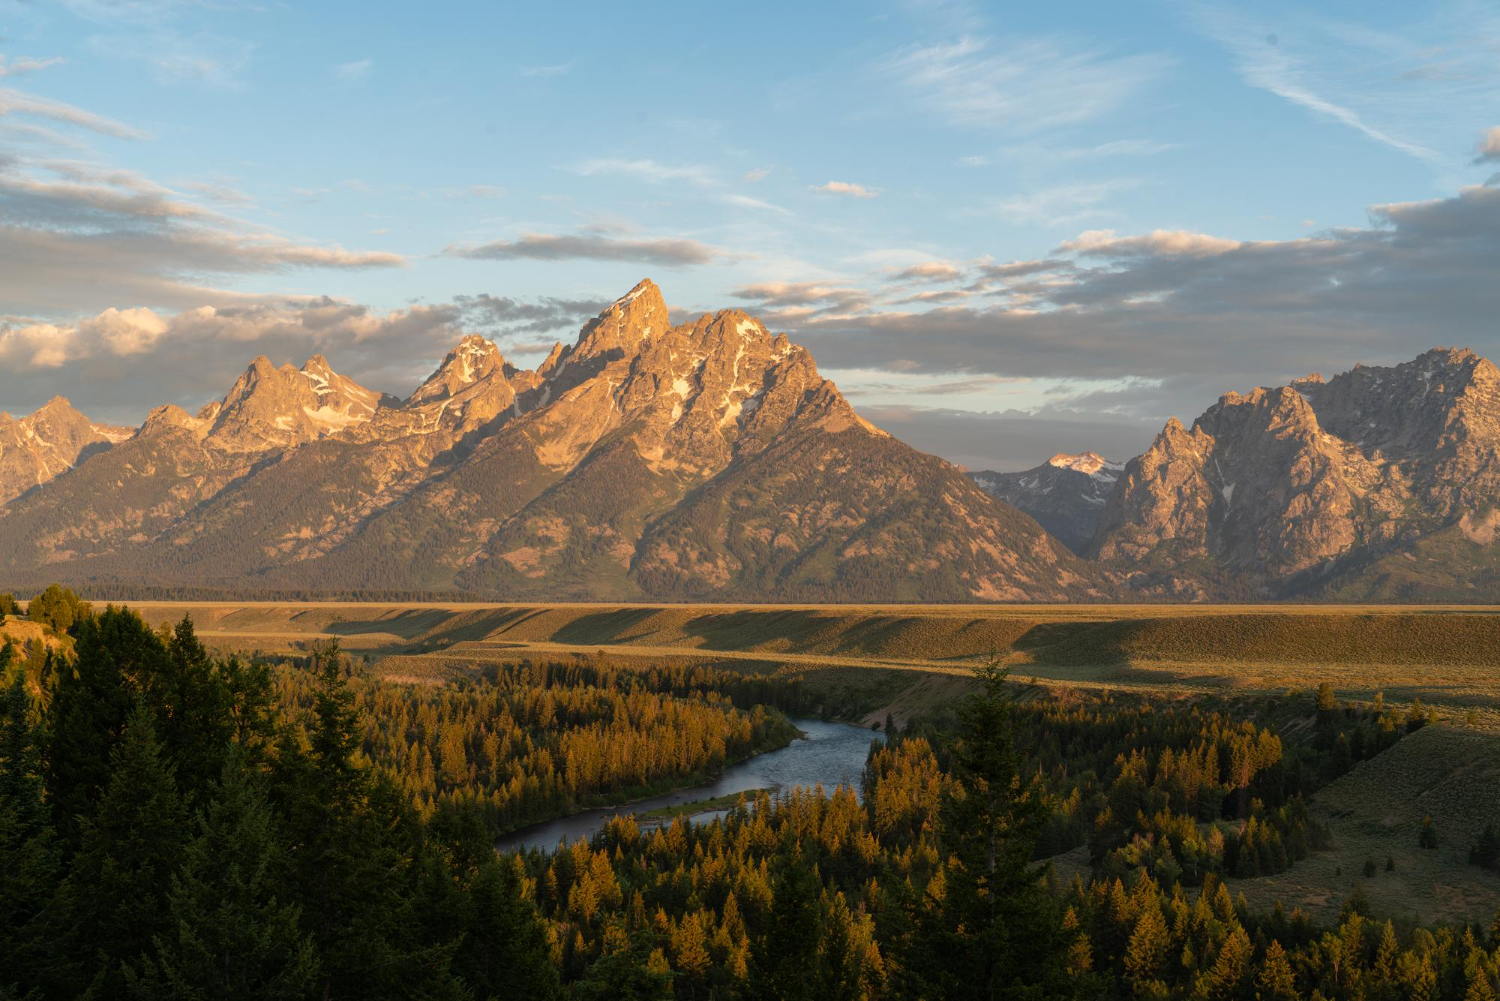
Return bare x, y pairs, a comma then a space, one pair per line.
1004, 231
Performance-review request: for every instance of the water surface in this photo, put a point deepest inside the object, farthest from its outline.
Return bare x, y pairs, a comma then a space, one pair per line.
831, 754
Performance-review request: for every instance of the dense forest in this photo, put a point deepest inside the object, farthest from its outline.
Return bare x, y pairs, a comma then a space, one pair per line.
174, 824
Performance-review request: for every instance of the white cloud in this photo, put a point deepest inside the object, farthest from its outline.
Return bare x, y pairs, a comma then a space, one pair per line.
647, 170
359, 69
559, 69
14, 102
1159, 243
758, 174
22, 65
1489, 147
1025, 87
1060, 205
846, 188
745, 201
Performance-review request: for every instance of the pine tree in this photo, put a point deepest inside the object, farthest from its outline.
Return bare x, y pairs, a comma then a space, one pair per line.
504, 952
1479, 986
230, 937
996, 932
193, 712
116, 895
1146, 952
116, 655
30, 864
355, 848
1275, 981
1229, 975
784, 960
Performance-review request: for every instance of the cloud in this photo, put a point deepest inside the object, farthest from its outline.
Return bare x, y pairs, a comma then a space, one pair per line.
78, 234
476, 191
22, 65
591, 246
14, 102
1159, 243
559, 69
1489, 147
745, 201
505, 315
1060, 205
758, 174
647, 170
793, 302
357, 70
929, 271
1267, 62
1026, 86
846, 188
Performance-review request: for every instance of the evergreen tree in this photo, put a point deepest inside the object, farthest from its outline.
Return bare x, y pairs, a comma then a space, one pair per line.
230, 937
116, 655
116, 896
1275, 981
193, 712
625, 972
30, 866
504, 952
784, 959
354, 847
996, 931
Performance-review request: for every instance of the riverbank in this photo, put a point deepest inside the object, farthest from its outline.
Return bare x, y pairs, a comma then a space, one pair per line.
827, 755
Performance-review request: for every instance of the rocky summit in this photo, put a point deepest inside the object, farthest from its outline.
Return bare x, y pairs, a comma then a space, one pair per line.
1380, 483
704, 460
1066, 494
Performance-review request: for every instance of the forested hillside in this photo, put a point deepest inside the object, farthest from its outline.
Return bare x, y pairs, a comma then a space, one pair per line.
179, 825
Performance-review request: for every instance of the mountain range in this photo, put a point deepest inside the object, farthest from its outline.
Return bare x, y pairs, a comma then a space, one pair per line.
706, 460
709, 460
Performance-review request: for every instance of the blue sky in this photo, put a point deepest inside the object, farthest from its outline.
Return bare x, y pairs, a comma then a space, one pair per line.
1003, 230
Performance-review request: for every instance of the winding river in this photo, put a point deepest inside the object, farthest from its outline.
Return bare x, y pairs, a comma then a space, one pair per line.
831, 753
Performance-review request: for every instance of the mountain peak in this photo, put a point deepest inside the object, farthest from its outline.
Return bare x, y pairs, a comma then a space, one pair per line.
1091, 463
629, 322
473, 359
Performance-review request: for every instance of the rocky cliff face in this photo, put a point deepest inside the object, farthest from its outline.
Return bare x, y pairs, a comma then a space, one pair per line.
44, 444
1066, 494
1293, 489
708, 459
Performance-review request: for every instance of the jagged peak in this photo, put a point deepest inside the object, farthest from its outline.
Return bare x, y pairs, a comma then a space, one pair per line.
629, 322
473, 359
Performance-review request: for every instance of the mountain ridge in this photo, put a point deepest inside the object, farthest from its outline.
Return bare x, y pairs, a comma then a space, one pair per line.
644, 459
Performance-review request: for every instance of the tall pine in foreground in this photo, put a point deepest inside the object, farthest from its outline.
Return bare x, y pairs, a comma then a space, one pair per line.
116, 896
995, 931
354, 846
30, 865
230, 936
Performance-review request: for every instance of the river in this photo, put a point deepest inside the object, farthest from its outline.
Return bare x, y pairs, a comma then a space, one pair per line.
831, 753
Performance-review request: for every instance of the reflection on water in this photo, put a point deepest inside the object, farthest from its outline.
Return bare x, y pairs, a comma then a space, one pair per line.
832, 754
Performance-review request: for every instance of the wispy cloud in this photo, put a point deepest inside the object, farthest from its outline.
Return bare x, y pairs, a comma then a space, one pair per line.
1060, 205
745, 201
758, 174
359, 69
475, 191
1025, 86
648, 170
1265, 62
591, 246
559, 69
14, 102
848, 189
22, 65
